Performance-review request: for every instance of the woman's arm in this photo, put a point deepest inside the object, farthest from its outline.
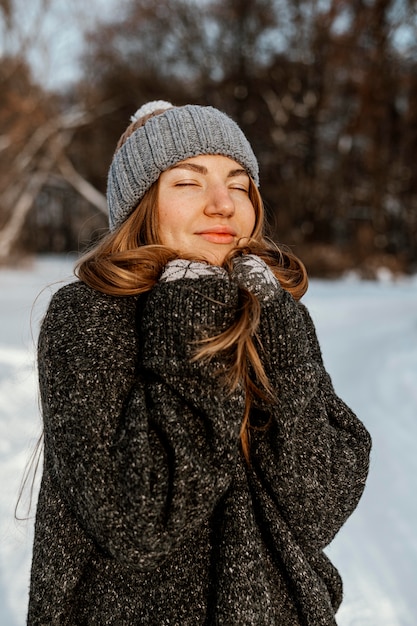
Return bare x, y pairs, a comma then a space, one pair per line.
315, 456
140, 442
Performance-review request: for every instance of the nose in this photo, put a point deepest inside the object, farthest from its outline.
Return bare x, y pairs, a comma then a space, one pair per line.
219, 201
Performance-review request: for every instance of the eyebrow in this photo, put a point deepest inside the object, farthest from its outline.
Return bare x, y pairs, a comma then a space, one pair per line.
201, 169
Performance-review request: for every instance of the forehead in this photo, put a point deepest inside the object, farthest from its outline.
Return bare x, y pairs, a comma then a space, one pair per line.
211, 162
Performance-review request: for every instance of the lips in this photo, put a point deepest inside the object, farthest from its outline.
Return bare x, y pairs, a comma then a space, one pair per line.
218, 234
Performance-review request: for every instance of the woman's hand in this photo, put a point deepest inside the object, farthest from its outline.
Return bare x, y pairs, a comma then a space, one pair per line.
181, 268
254, 274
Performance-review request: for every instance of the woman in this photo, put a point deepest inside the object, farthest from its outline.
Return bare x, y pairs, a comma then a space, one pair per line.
197, 460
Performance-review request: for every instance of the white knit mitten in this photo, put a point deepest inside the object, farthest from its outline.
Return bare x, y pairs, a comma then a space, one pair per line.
181, 268
254, 274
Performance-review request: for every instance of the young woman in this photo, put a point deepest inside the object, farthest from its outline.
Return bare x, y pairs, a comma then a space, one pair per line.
197, 460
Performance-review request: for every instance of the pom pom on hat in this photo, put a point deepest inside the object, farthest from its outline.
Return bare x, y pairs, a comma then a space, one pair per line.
151, 107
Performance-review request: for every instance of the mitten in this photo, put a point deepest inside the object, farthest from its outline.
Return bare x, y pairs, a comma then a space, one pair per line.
254, 274
181, 268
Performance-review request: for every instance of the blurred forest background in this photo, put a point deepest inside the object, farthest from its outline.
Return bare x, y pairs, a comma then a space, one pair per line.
326, 91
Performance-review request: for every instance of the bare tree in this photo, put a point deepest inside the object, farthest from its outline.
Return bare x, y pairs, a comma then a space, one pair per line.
36, 126
325, 90
43, 155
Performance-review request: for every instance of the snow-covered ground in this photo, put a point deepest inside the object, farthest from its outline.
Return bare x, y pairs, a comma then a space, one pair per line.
368, 333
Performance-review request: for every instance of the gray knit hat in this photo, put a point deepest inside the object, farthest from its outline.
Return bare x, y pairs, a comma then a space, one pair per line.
176, 134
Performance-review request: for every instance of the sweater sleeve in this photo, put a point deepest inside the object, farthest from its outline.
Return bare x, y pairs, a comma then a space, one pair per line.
140, 441
314, 457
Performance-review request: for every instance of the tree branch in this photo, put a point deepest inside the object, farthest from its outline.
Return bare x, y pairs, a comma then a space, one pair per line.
84, 188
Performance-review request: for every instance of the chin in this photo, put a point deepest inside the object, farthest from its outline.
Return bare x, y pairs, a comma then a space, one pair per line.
215, 257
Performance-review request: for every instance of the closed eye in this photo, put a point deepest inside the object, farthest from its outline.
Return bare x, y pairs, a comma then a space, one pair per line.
240, 188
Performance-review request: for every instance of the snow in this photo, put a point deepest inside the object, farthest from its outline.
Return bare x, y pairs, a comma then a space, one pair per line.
368, 334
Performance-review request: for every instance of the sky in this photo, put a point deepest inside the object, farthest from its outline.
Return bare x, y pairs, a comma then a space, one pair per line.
57, 35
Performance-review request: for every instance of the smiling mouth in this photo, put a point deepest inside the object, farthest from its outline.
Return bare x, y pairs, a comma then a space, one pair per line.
214, 237
218, 235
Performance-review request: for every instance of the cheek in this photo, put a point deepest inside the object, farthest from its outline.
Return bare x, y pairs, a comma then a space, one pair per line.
166, 229
171, 226
250, 221
166, 217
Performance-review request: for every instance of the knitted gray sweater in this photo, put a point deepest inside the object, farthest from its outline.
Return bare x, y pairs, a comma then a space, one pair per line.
147, 512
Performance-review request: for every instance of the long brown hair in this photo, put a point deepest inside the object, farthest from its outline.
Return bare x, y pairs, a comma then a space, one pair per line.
130, 260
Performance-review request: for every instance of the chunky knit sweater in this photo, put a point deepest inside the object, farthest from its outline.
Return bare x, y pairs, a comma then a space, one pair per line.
148, 513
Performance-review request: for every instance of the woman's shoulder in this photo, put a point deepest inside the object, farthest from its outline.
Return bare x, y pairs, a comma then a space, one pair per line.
77, 307
78, 291
85, 327
80, 297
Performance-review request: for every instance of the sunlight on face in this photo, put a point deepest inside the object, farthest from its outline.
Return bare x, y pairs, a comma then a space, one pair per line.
204, 207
